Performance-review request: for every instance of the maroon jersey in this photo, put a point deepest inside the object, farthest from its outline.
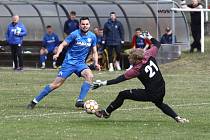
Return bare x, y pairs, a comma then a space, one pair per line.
147, 71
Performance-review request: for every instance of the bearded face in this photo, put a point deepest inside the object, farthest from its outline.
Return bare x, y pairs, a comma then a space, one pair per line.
84, 26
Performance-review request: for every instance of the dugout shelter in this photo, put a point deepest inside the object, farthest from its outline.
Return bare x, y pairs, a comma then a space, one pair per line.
152, 16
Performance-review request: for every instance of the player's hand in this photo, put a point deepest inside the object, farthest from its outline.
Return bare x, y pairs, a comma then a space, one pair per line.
98, 67
146, 34
17, 33
98, 83
55, 57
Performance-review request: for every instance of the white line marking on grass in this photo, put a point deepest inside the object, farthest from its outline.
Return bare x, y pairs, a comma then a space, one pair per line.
67, 113
41, 115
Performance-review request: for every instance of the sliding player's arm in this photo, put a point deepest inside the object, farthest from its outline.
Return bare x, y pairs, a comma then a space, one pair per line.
99, 83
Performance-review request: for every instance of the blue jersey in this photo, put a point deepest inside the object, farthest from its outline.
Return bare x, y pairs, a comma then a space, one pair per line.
11, 34
79, 47
50, 40
140, 43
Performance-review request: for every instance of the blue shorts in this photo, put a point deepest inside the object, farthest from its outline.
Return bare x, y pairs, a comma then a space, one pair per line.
50, 49
66, 70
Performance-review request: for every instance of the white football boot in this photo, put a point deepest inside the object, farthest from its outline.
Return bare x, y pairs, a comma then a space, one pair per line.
117, 64
111, 68
181, 120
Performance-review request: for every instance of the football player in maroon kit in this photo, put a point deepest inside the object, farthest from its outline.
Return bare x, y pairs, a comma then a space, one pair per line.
144, 68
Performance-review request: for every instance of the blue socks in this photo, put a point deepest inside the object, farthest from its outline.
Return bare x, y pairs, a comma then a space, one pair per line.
43, 93
84, 91
43, 58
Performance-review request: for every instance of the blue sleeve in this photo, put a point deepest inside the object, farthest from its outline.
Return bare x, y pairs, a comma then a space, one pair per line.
162, 40
23, 31
70, 37
44, 42
105, 32
121, 32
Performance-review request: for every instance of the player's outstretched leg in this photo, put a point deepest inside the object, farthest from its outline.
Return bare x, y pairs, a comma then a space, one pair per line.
54, 85
170, 112
102, 114
38, 98
31, 105
114, 105
79, 104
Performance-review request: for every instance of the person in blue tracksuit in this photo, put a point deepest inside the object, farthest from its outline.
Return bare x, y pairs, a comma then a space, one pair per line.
14, 37
71, 24
79, 43
49, 45
113, 38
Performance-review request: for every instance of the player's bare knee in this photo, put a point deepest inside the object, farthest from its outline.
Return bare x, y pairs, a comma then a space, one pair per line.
57, 83
89, 78
41, 52
54, 86
87, 74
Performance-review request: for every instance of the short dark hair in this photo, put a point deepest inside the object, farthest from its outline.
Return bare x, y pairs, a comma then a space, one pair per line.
138, 29
168, 29
83, 18
112, 13
48, 26
72, 13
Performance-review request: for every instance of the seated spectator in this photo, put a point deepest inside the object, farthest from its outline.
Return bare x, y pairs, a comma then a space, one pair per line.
49, 45
167, 38
138, 40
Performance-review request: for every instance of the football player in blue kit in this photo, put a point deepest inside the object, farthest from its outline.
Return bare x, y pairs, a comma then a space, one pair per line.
79, 43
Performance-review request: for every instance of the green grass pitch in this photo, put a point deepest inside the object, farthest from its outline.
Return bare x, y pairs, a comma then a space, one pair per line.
56, 118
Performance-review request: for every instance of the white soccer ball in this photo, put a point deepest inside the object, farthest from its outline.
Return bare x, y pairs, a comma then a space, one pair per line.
91, 106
